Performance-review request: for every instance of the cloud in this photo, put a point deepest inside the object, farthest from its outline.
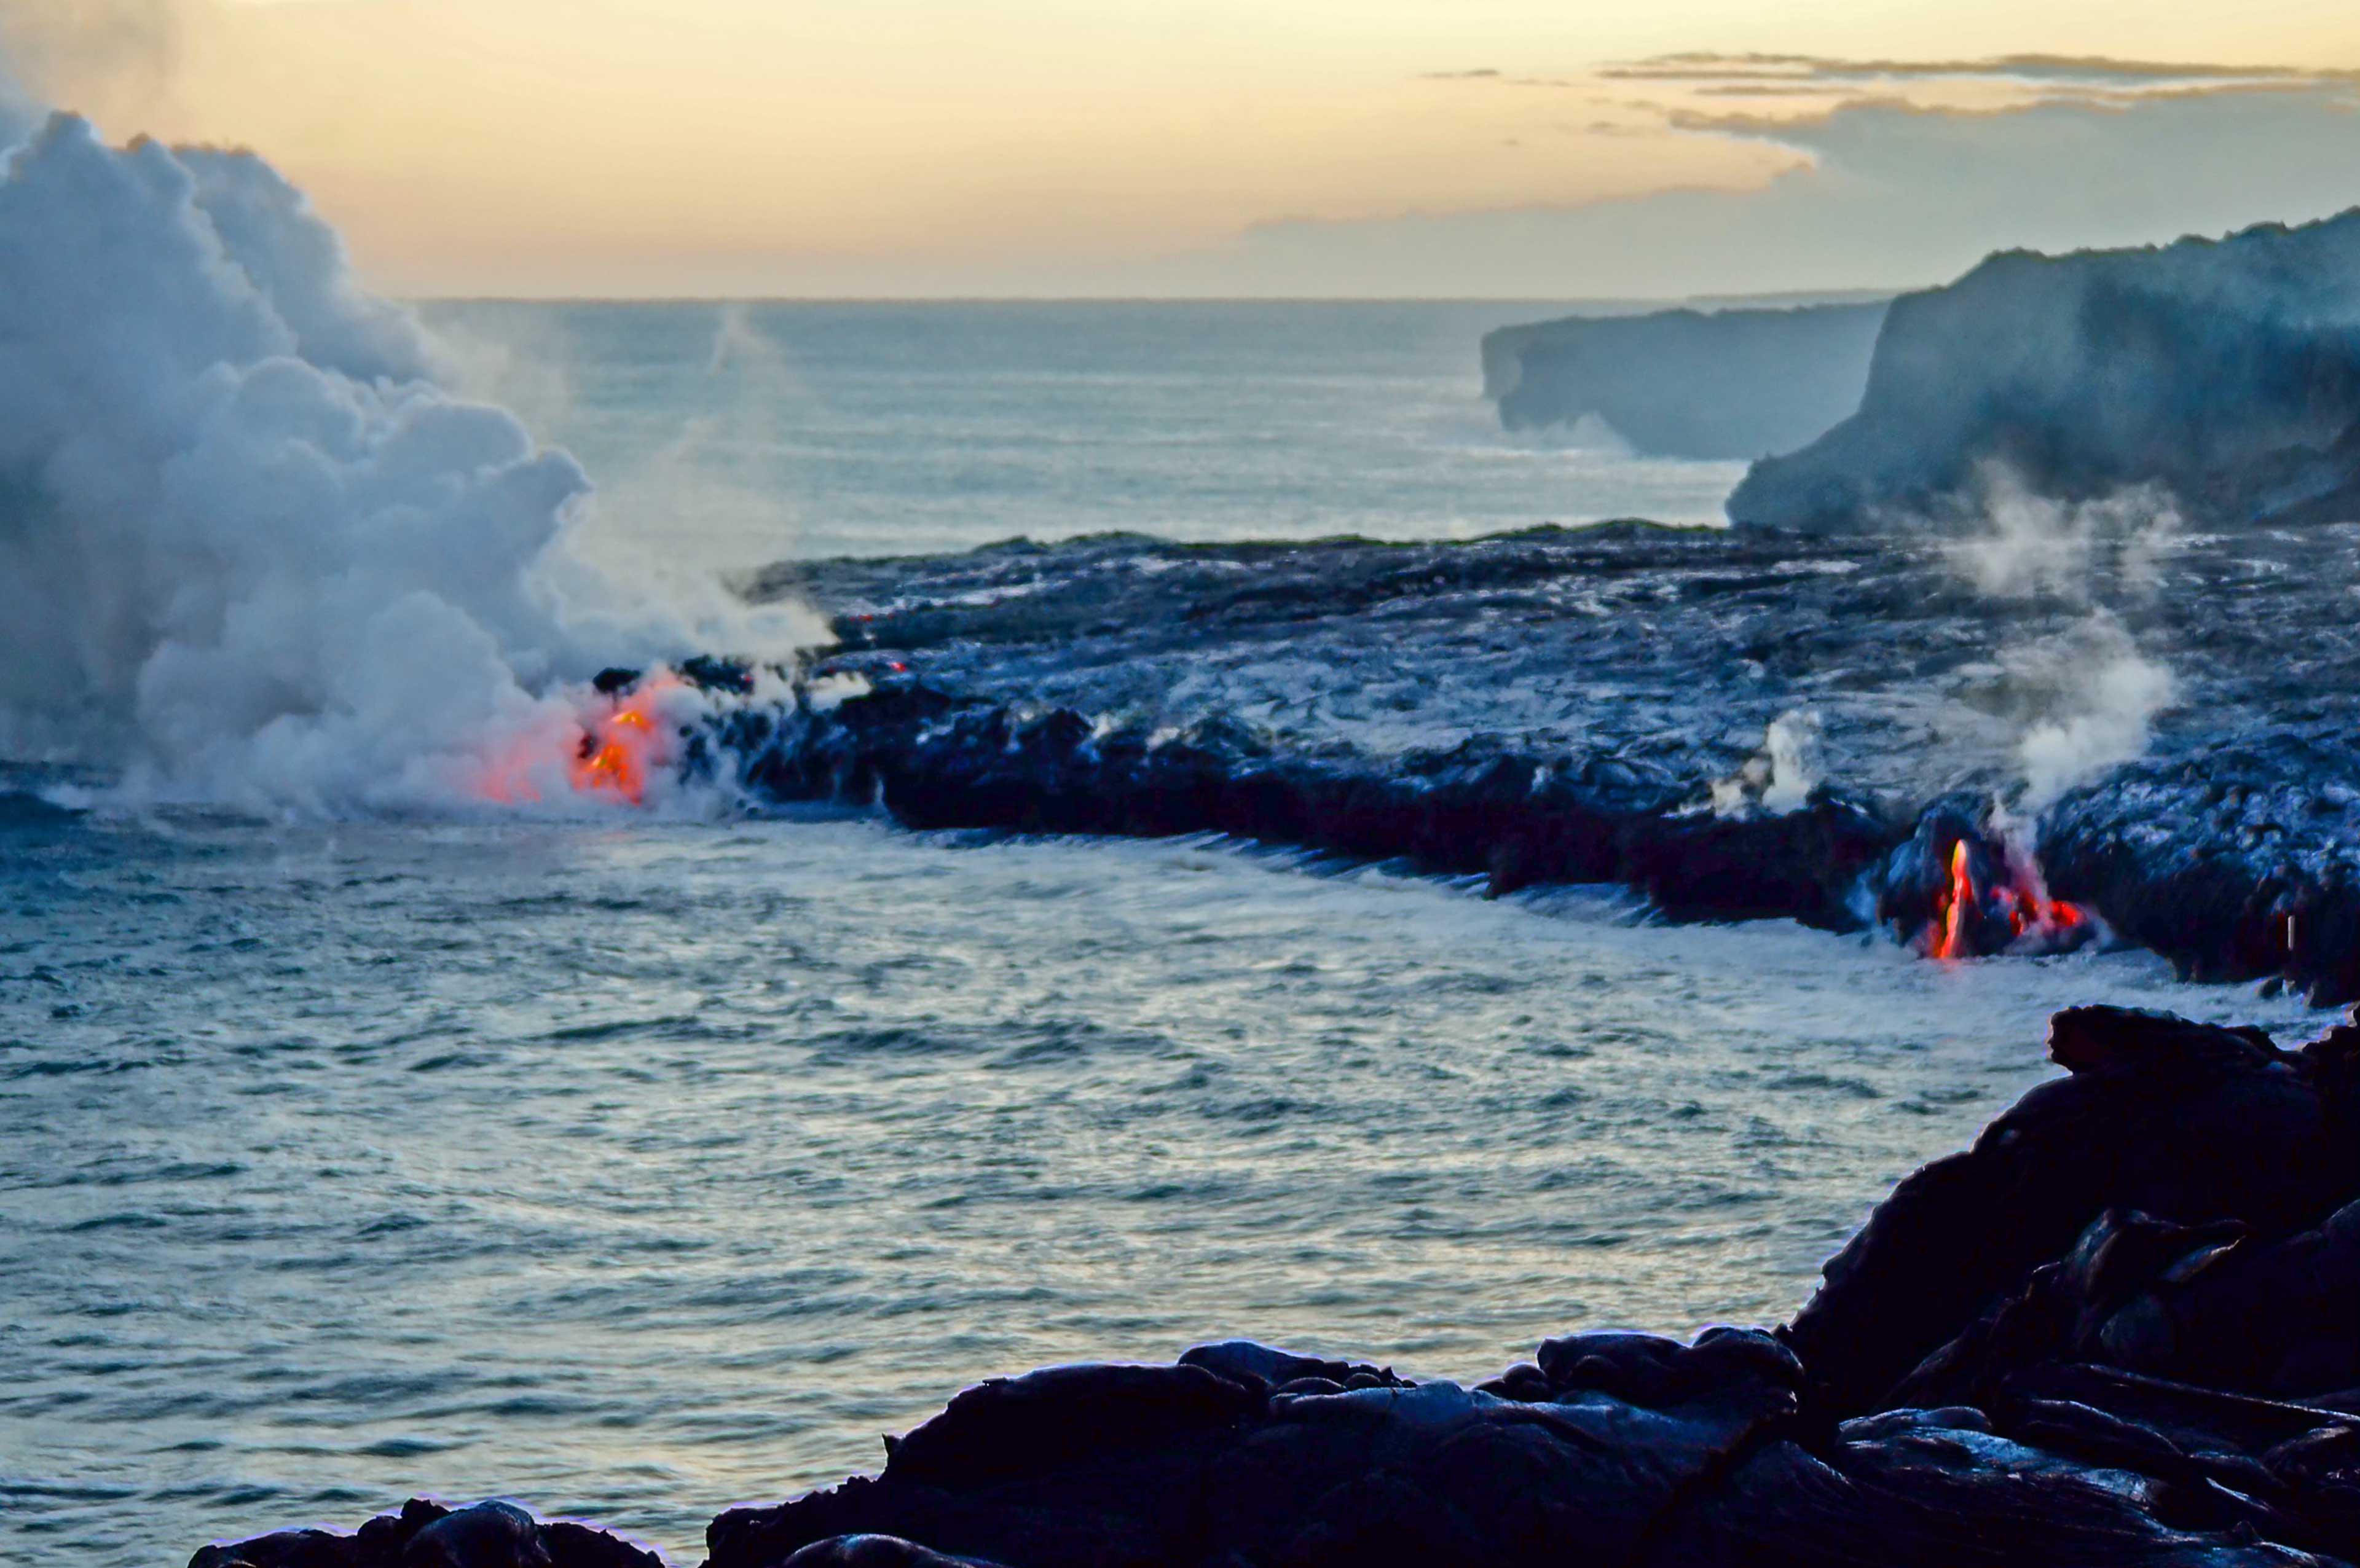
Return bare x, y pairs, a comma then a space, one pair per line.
1496, 78
1803, 69
1882, 193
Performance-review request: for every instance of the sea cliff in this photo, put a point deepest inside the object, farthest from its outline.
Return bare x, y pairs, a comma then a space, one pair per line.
2224, 372
1692, 384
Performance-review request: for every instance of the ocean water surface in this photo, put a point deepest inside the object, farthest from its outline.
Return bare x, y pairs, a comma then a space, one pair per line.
637, 1167
736, 435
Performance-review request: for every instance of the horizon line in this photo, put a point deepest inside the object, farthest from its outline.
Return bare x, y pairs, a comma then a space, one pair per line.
1799, 295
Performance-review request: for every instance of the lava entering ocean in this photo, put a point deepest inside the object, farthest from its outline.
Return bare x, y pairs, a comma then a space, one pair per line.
2007, 909
624, 734
624, 747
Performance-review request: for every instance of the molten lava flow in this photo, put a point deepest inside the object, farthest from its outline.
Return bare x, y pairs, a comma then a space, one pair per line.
2036, 912
1964, 913
1954, 906
618, 747
2038, 920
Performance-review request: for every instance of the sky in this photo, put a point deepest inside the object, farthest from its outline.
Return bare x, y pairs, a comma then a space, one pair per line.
1508, 149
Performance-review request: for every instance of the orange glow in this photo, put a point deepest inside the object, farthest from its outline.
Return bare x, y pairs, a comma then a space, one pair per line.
620, 748
1952, 907
2031, 913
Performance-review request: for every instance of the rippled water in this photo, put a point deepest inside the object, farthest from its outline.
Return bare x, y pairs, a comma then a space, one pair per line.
729, 436
638, 1171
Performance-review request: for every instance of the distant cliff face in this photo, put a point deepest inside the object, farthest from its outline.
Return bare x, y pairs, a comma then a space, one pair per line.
2226, 370
1721, 384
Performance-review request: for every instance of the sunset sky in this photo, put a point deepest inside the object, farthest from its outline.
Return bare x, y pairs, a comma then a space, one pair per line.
1527, 147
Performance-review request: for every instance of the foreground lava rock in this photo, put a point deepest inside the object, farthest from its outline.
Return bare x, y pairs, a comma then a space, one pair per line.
2124, 1328
2185, 1123
428, 1535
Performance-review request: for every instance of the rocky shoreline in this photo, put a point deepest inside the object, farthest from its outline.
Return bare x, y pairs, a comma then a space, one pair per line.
2119, 1329
1608, 705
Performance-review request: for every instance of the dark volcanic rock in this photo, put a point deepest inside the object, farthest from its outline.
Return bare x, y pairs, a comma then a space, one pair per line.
1516, 817
2236, 860
492, 1534
1700, 1459
1291, 1463
2209, 1305
2185, 1121
1939, 1488
1599, 705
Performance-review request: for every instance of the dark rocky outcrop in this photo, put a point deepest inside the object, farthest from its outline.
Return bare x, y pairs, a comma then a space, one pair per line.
2237, 860
2226, 370
1694, 384
1596, 705
492, 1534
1210, 1461
2188, 1122
2122, 1329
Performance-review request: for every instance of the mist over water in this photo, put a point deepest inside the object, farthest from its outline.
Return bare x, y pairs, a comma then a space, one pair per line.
735, 435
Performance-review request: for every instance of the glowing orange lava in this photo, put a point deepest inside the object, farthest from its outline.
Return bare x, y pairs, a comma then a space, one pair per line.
2034, 912
2031, 913
1953, 906
619, 748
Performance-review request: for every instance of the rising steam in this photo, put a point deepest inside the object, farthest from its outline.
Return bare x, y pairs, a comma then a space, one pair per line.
252, 550
2098, 693
2034, 546
2108, 696
1780, 776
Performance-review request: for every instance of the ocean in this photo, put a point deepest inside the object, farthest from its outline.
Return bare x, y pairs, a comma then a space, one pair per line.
640, 1165
732, 436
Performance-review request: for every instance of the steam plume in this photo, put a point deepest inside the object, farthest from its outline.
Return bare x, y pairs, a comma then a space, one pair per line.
2098, 693
2106, 715
251, 550
2034, 545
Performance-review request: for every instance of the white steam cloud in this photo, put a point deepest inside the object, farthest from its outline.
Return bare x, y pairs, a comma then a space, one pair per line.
2095, 695
2038, 546
252, 550
1793, 742
1779, 777
2108, 694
